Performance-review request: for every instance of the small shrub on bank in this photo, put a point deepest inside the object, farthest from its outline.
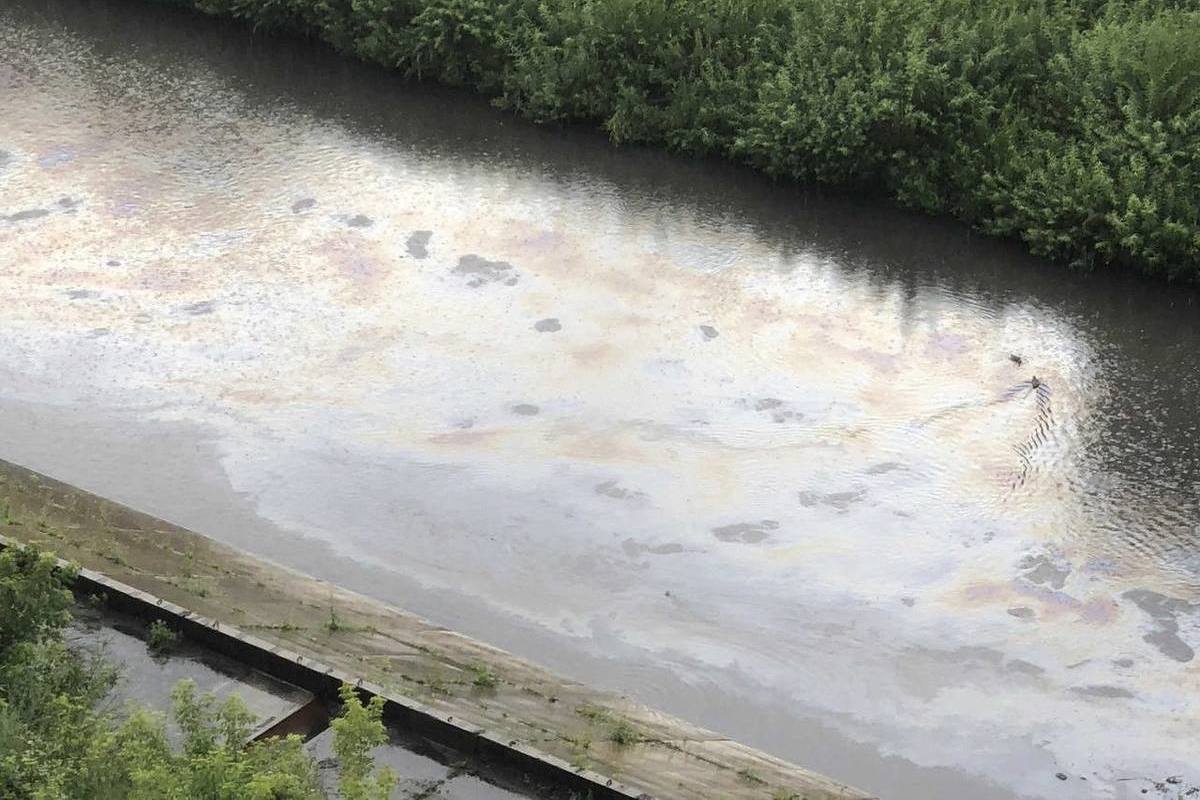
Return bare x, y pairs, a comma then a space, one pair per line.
1073, 125
623, 734
160, 639
484, 678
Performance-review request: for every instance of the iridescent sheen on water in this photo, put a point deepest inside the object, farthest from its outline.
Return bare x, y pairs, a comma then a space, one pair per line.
776, 462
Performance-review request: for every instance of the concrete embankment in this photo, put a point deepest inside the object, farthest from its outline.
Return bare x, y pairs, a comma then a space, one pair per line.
441, 684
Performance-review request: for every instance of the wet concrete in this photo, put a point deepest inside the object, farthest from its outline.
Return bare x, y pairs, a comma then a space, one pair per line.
347, 406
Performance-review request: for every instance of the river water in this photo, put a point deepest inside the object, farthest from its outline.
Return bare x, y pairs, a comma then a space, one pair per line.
761, 458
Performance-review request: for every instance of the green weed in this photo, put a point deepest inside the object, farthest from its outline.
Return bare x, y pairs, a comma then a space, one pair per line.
484, 677
160, 639
623, 734
749, 776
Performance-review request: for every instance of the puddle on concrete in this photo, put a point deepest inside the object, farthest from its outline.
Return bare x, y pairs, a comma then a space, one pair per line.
146, 679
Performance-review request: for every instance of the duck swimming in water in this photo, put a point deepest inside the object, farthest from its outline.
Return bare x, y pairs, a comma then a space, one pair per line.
1016, 359
1035, 383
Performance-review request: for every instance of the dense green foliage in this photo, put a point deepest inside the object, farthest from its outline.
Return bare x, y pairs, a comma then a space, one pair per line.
1072, 124
55, 743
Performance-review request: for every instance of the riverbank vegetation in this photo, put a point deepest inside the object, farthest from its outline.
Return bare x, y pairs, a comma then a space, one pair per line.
1073, 125
58, 742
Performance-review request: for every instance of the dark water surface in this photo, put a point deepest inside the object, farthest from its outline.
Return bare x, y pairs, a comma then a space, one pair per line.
758, 457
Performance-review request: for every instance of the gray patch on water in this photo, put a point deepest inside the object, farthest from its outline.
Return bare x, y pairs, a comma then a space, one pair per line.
709, 331
417, 243
548, 325
197, 309
1124, 663
809, 498
634, 548
611, 489
843, 500
975, 538
777, 408
303, 204
1164, 611
32, 213
112, 262
909, 601
526, 409
746, 532
1041, 570
142, 318
69, 203
615, 490
81, 294
1022, 612
96, 333
839, 501
1101, 691
359, 221
882, 467
479, 271
1025, 667
978, 653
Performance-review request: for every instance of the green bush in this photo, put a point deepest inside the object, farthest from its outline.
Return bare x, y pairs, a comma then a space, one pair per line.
1071, 124
56, 745
160, 639
34, 596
